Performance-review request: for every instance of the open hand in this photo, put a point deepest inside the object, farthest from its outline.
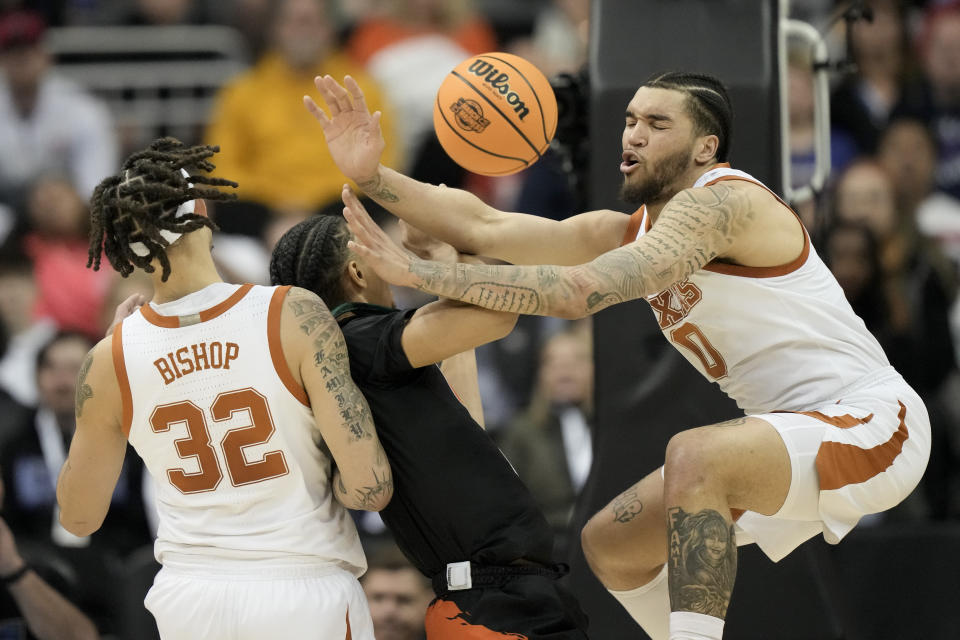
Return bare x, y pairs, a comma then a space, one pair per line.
374, 247
352, 132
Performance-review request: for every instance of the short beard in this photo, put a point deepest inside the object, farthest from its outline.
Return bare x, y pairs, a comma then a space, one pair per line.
665, 174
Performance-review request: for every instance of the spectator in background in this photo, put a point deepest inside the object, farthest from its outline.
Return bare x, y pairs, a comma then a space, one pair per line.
30, 604
560, 33
397, 593
33, 453
940, 46
550, 444
46, 122
409, 47
26, 333
69, 293
908, 153
864, 101
265, 134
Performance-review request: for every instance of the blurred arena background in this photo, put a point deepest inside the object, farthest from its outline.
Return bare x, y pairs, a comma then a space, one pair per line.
85, 82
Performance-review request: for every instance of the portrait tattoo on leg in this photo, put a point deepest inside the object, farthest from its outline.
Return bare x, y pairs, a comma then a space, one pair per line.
702, 552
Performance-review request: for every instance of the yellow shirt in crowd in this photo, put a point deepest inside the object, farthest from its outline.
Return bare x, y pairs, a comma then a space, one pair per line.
269, 142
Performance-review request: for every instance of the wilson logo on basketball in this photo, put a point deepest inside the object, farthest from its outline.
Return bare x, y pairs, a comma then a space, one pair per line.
500, 83
469, 115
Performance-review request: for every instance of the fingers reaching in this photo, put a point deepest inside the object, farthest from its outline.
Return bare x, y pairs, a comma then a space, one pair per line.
316, 111
359, 102
339, 94
320, 82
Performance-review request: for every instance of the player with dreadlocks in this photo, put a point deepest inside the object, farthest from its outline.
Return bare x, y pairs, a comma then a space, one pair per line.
240, 402
830, 433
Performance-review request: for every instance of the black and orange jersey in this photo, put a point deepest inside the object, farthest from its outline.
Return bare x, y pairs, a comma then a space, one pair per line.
455, 496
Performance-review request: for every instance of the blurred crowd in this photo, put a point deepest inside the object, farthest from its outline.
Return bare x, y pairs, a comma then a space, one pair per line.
888, 224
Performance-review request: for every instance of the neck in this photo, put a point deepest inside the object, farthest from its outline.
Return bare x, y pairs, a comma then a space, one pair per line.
685, 182
185, 278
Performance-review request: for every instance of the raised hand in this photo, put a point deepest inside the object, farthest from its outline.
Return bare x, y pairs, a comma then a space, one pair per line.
374, 247
352, 132
126, 308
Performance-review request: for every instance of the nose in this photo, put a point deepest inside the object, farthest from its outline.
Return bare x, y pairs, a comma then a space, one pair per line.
636, 136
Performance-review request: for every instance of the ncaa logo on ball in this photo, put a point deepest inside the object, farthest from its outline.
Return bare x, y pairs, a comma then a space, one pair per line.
469, 115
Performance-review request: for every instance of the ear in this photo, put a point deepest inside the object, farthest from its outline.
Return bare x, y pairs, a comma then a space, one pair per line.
706, 149
200, 208
355, 275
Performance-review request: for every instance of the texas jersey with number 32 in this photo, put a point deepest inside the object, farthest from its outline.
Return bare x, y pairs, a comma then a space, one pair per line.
227, 435
773, 338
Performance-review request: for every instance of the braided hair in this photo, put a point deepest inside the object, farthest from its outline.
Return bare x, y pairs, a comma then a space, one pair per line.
142, 200
313, 255
707, 103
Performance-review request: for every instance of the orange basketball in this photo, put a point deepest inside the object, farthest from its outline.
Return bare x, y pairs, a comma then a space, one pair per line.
495, 114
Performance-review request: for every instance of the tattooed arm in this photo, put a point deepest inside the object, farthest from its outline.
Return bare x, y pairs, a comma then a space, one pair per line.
93, 465
452, 215
695, 227
314, 347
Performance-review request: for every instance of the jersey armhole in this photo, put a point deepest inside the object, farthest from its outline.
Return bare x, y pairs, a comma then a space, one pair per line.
120, 369
276, 347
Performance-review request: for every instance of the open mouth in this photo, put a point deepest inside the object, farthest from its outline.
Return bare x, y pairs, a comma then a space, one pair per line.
629, 163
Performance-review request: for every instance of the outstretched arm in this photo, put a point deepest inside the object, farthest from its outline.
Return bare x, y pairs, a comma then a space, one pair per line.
695, 227
452, 215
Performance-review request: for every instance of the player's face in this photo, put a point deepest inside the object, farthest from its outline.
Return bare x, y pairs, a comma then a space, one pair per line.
658, 142
398, 601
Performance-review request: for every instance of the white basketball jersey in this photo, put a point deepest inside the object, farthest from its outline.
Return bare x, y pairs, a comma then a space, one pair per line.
773, 338
227, 434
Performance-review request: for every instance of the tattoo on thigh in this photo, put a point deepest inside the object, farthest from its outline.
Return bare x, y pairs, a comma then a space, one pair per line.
736, 422
702, 561
627, 506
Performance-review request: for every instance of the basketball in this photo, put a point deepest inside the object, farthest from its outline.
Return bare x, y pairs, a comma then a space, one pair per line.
495, 114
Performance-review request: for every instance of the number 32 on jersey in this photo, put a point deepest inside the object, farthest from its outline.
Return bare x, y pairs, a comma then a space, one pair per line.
231, 447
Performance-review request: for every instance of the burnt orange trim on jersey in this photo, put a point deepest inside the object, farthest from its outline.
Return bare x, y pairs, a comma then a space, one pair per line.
761, 272
276, 347
633, 226
840, 464
445, 621
120, 368
843, 422
173, 322
349, 635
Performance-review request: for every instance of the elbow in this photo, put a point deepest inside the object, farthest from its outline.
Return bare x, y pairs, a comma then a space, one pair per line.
79, 527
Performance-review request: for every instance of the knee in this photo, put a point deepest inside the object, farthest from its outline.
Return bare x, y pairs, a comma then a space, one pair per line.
689, 460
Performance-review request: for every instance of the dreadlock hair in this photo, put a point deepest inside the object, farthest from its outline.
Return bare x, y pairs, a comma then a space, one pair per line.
313, 255
142, 200
707, 103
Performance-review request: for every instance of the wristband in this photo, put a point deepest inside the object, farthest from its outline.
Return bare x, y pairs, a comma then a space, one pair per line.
10, 578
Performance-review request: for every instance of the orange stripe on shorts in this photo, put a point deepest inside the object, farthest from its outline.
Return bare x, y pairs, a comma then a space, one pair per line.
840, 464
445, 621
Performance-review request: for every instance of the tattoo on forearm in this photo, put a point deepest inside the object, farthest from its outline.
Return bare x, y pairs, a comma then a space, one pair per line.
695, 227
84, 391
502, 297
702, 561
378, 190
627, 506
367, 497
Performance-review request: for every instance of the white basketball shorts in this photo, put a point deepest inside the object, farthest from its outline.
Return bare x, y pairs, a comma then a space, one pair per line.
860, 454
220, 600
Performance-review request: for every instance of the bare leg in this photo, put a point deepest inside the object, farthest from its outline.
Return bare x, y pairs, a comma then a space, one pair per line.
742, 465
